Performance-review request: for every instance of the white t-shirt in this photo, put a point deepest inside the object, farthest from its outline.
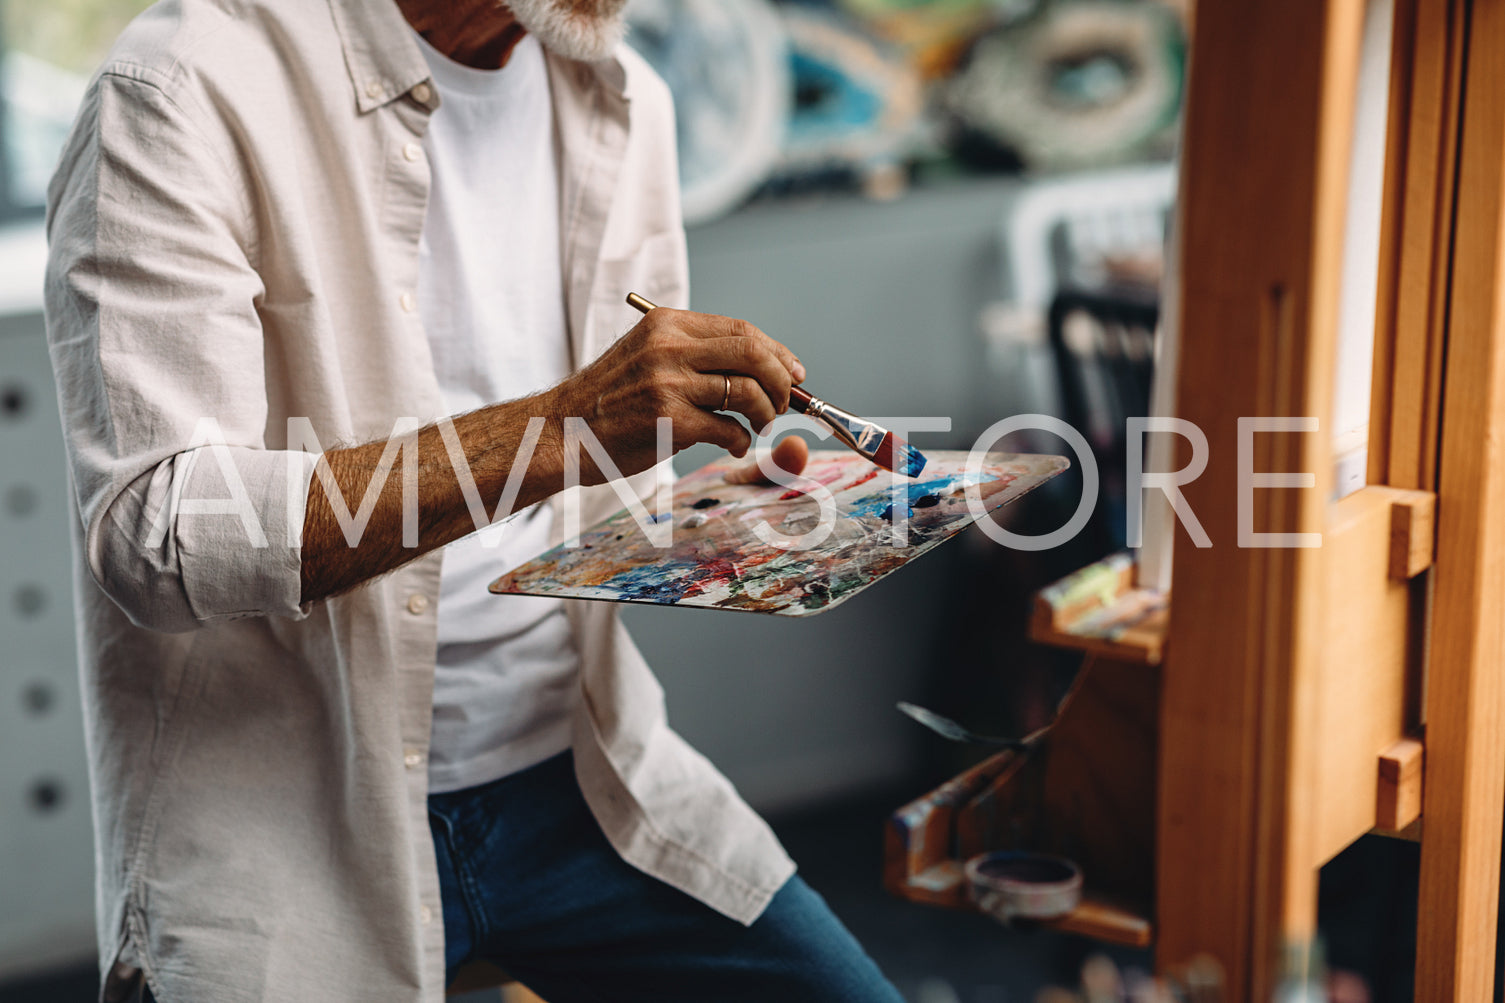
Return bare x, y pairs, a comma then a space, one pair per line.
491, 295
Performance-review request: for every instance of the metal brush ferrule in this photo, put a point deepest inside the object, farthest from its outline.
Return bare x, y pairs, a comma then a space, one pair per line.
863, 436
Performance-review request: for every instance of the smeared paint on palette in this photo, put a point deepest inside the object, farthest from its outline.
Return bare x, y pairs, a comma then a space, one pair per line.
717, 560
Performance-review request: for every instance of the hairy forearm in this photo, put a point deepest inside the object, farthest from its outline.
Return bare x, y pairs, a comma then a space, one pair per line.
490, 440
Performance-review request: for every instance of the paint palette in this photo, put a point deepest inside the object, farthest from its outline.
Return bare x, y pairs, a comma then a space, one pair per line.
773, 549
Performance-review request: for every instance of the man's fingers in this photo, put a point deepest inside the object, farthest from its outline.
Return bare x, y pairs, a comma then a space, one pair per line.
709, 325
791, 454
747, 358
777, 349
742, 394
718, 429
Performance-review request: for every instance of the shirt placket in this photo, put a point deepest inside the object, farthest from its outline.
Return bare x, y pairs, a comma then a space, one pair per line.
592, 124
405, 121
593, 130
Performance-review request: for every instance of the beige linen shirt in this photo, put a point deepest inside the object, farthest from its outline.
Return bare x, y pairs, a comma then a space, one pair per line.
234, 235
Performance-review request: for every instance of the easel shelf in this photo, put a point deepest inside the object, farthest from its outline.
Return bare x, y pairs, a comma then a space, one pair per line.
1099, 610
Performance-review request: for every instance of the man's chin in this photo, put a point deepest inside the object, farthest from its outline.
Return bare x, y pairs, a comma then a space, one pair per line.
585, 31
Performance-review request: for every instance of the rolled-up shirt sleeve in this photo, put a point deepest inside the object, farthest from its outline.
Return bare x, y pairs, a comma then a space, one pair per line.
157, 346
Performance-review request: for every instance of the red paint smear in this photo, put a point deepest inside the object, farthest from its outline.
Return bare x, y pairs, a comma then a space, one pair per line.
719, 572
797, 492
861, 480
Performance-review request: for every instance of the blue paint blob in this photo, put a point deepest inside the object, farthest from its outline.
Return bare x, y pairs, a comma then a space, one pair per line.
920, 494
663, 583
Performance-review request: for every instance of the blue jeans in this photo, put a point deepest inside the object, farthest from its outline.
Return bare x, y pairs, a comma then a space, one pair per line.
529, 882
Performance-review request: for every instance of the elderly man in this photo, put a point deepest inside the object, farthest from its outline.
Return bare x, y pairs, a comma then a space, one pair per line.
326, 764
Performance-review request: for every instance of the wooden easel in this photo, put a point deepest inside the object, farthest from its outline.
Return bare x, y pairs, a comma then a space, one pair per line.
1307, 696
1290, 673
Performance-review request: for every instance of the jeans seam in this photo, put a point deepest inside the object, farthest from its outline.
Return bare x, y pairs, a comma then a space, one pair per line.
470, 895
465, 883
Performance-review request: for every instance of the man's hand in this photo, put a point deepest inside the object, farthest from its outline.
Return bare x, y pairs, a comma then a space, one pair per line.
679, 365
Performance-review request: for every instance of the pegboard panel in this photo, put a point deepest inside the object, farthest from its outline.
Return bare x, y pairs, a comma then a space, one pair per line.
46, 838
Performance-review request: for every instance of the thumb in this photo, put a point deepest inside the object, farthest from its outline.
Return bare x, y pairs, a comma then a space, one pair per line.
791, 454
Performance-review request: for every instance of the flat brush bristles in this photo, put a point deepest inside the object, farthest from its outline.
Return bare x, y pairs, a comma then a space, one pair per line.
893, 453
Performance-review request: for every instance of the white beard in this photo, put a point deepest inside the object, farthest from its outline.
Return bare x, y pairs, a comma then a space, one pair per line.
587, 30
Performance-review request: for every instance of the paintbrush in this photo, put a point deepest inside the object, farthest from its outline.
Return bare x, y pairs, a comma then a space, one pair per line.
865, 438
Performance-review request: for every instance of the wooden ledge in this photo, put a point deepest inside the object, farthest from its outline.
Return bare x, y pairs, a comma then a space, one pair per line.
1412, 536
1099, 610
1398, 803
1106, 921
1085, 790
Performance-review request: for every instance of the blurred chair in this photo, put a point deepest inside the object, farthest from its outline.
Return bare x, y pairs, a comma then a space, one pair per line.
1089, 230
1103, 345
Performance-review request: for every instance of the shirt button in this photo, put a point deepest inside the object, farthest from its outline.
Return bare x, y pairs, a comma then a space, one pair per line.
407, 302
421, 93
412, 758
425, 915
417, 603
374, 89
412, 151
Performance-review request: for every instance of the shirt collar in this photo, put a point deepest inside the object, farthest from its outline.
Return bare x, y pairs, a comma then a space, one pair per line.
384, 62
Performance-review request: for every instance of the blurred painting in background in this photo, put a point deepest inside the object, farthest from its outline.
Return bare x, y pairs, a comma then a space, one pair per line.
775, 98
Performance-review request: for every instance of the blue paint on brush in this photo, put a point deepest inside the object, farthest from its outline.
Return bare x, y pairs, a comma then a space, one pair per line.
911, 461
893, 453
